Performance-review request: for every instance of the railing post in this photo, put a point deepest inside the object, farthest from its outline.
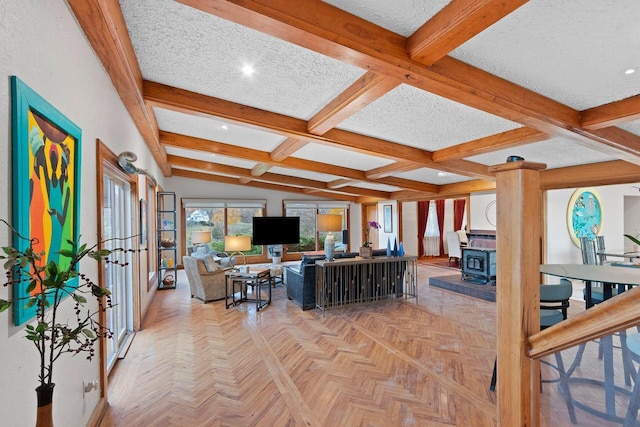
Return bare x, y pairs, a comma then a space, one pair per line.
519, 209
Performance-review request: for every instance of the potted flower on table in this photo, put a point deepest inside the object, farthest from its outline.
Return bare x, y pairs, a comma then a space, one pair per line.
366, 249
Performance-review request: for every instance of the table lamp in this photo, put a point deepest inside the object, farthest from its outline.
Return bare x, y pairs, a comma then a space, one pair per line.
199, 239
236, 245
329, 223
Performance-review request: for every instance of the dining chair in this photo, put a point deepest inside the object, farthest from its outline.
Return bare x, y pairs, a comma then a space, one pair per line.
453, 246
554, 301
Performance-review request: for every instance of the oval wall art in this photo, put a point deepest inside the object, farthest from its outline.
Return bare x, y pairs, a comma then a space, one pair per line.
584, 215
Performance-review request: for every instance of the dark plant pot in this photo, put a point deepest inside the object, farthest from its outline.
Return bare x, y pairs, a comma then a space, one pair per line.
45, 405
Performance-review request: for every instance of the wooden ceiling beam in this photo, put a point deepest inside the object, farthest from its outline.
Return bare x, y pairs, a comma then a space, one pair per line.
287, 148
455, 24
197, 104
488, 144
328, 30
361, 93
408, 184
603, 173
611, 114
245, 175
257, 184
206, 145
393, 168
260, 169
339, 183
106, 31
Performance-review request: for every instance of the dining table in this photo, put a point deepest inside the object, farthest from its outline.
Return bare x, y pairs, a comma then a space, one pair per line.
632, 257
622, 276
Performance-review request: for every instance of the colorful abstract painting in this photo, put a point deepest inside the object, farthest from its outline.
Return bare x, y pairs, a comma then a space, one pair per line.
584, 215
46, 181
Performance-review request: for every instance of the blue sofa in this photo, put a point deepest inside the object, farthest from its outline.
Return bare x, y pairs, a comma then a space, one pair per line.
301, 282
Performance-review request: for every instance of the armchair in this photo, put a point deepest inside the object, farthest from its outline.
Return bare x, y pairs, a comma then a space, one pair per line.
205, 285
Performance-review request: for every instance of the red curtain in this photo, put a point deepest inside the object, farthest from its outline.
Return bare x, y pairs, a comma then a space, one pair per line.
458, 213
423, 215
440, 212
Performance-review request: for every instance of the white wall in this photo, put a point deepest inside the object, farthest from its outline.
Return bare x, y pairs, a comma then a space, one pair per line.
612, 198
41, 43
410, 227
478, 203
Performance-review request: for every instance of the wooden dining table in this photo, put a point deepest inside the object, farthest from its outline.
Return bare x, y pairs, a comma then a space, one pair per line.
610, 276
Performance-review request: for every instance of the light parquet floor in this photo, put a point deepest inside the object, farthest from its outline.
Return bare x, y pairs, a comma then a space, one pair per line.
393, 363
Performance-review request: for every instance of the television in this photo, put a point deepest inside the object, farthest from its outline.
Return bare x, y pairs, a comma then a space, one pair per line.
276, 230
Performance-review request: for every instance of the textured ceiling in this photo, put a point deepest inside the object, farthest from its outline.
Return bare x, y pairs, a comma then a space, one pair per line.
386, 128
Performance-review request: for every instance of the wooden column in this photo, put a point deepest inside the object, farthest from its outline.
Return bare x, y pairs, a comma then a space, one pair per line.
518, 229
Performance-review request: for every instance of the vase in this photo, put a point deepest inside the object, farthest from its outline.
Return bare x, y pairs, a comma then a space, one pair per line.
395, 247
365, 252
388, 246
401, 250
44, 417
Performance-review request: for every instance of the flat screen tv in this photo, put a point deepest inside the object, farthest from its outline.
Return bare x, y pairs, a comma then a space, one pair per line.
276, 230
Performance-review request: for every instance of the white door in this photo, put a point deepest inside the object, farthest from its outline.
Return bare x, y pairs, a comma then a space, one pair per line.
116, 220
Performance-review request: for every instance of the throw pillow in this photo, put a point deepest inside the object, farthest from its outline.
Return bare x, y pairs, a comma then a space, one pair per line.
210, 264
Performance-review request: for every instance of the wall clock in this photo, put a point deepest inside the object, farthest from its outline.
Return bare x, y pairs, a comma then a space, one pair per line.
584, 215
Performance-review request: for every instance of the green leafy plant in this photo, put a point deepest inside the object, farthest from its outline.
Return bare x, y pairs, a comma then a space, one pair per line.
632, 238
48, 285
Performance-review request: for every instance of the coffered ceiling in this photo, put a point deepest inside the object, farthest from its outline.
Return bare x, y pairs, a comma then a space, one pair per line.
369, 100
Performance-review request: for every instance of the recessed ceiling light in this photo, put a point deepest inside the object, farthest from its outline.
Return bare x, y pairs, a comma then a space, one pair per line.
248, 70
224, 127
444, 174
630, 71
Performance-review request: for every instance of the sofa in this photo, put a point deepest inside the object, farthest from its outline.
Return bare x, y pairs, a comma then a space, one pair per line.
301, 281
206, 278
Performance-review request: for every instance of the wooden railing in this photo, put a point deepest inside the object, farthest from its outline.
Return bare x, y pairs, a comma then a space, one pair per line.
610, 316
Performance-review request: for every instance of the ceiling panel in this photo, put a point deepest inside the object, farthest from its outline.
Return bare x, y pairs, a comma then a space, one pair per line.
432, 176
402, 17
183, 47
555, 152
304, 174
573, 51
340, 157
216, 130
420, 119
633, 127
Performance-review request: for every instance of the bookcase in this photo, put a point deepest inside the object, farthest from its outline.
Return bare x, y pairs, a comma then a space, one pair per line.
166, 239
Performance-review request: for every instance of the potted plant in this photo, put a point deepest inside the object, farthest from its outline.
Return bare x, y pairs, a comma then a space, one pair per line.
636, 242
366, 249
48, 285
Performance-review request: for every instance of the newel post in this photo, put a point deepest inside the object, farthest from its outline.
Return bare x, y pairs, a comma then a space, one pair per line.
518, 230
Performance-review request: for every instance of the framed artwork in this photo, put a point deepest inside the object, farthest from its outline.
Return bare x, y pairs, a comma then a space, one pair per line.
46, 181
387, 221
143, 222
584, 215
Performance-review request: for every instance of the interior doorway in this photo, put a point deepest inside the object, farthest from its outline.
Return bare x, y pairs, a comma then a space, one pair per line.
370, 213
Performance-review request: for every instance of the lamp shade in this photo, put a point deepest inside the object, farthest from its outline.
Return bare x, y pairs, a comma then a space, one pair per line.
203, 236
329, 222
237, 243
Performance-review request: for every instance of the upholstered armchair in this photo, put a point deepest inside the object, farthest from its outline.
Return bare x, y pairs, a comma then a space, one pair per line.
207, 284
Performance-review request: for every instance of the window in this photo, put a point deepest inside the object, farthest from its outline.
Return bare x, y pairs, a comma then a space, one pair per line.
310, 238
221, 218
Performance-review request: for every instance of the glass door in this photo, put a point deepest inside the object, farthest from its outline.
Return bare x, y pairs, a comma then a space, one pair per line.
116, 220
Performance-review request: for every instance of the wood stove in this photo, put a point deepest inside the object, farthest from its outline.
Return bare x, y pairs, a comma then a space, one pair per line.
479, 265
